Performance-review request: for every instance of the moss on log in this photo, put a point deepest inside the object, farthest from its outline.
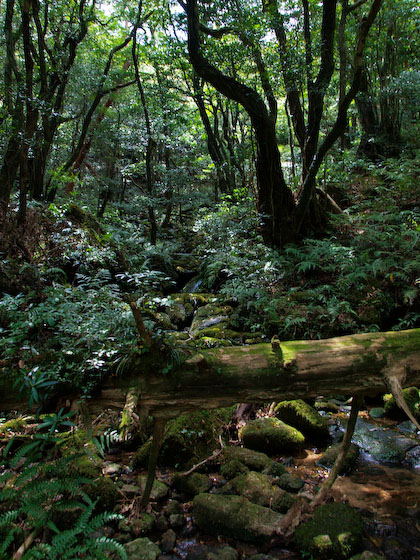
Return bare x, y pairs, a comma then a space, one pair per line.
361, 364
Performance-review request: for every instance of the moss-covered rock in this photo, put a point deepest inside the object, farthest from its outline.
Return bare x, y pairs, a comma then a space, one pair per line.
275, 469
210, 315
377, 412
195, 300
326, 406
271, 435
189, 437
142, 549
304, 417
192, 484
335, 531
139, 526
411, 397
258, 489
254, 460
233, 468
234, 516
289, 482
104, 492
87, 466
177, 312
159, 489
224, 552
328, 458
164, 322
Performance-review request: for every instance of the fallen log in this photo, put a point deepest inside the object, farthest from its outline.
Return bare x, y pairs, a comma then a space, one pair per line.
361, 364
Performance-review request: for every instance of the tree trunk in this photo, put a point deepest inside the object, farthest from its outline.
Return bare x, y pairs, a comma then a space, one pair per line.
276, 204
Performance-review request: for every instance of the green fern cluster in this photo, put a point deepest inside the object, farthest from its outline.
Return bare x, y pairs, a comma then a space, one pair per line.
34, 496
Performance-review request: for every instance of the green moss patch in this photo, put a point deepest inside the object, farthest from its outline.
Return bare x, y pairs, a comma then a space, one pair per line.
335, 531
271, 435
304, 417
233, 468
13, 426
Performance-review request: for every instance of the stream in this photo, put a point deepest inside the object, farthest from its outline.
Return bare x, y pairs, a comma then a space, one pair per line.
384, 488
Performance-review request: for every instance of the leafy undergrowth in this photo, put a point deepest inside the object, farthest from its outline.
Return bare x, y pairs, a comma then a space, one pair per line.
67, 278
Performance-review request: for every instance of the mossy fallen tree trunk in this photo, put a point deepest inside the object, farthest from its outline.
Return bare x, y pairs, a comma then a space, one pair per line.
363, 364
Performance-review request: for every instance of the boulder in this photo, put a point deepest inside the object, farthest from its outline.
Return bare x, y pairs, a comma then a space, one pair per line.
142, 549
143, 524
176, 520
168, 540
368, 555
191, 437
233, 468
104, 492
254, 460
164, 322
377, 412
304, 417
192, 484
187, 440
234, 516
385, 446
289, 482
335, 531
258, 489
271, 435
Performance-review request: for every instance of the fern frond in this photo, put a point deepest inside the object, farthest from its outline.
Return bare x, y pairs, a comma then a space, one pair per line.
6, 541
101, 519
110, 544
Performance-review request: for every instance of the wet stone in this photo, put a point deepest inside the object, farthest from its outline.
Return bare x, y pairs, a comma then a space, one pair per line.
412, 459
173, 507
222, 553
159, 489
168, 540
176, 520
384, 446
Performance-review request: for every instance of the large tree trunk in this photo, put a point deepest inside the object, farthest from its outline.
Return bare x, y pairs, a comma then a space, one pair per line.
361, 364
275, 200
